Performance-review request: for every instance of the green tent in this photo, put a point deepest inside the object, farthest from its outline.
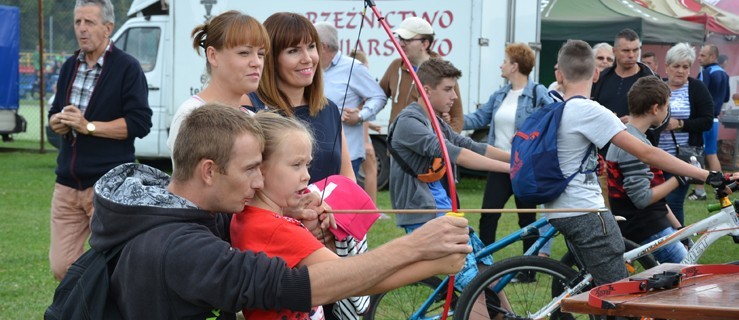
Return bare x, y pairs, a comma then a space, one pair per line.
600, 20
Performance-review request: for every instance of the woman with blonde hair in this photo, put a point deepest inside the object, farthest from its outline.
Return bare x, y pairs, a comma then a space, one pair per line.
691, 113
293, 86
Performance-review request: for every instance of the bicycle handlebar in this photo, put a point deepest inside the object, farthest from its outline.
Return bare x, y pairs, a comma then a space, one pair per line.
726, 183
722, 193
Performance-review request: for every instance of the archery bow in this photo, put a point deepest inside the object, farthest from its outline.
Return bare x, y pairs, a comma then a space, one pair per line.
437, 130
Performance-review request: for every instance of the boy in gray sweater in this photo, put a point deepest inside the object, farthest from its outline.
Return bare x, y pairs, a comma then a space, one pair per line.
636, 190
415, 146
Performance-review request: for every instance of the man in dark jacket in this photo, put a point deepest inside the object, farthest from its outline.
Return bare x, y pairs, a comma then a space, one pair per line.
717, 82
614, 83
100, 107
177, 262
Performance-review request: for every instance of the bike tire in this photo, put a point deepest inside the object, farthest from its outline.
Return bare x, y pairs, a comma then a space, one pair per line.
641, 264
402, 302
551, 277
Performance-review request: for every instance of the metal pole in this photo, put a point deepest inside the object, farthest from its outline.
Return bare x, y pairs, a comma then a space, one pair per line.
41, 74
51, 34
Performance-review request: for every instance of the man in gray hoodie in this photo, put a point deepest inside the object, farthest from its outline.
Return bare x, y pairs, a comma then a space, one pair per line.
177, 261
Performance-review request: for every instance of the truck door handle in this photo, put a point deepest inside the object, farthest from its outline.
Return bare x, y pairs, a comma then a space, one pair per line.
152, 88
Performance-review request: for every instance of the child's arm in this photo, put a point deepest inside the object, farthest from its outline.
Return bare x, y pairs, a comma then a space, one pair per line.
474, 161
414, 272
497, 154
673, 220
661, 191
657, 157
346, 161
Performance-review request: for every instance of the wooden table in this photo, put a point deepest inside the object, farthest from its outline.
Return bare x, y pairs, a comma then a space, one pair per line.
705, 297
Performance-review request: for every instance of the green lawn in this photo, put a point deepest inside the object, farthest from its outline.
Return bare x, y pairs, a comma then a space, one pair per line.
26, 184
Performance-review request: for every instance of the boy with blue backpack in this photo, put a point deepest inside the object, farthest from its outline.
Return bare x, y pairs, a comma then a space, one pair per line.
585, 125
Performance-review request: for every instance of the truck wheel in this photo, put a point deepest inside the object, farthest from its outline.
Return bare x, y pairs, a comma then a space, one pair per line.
383, 163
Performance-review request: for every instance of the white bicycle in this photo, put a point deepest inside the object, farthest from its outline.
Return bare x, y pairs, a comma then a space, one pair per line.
540, 299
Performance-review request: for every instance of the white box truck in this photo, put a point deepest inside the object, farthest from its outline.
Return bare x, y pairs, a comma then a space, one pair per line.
470, 33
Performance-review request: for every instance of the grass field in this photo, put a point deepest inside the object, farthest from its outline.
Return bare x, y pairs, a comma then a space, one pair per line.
26, 184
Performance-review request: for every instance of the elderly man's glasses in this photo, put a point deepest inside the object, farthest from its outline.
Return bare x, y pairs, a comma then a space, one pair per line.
609, 59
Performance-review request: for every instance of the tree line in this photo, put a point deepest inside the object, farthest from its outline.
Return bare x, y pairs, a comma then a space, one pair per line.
58, 23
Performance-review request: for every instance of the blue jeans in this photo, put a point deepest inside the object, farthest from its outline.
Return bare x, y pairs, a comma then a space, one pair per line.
547, 247
710, 139
676, 200
355, 165
674, 252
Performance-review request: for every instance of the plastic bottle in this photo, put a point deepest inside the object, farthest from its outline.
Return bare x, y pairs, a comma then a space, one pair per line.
695, 162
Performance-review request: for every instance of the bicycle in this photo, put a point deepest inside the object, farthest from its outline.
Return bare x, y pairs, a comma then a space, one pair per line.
425, 299
565, 282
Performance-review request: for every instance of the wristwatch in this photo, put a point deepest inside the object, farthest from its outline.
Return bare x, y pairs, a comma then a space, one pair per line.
90, 128
360, 119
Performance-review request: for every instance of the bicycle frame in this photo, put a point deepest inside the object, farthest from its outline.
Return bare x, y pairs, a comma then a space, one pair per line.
723, 223
490, 249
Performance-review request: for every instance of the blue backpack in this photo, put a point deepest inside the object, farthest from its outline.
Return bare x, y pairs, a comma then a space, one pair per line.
536, 177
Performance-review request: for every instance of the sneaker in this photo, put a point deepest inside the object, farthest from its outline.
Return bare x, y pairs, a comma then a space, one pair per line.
694, 196
524, 277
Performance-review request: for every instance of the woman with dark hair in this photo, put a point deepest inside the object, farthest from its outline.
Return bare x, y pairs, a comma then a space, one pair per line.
293, 85
691, 109
504, 112
234, 45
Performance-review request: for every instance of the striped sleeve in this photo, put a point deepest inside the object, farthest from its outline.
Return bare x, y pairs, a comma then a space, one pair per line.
637, 180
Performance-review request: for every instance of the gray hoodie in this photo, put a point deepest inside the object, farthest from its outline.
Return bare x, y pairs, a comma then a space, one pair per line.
414, 140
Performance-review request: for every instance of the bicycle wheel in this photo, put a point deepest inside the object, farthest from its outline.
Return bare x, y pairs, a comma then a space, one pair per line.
550, 278
402, 302
634, 267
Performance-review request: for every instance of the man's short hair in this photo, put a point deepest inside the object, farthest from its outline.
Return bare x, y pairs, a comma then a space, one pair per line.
713, 49
522, 54
722, 59
626, 34
106, 8
434, 70
646, 92
576, 61
209, 132
648, 54
328, 34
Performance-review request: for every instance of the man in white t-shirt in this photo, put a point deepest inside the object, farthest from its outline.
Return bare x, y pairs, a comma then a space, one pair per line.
595, 237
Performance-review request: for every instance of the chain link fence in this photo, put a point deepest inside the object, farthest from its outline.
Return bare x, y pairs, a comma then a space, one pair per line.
39, 61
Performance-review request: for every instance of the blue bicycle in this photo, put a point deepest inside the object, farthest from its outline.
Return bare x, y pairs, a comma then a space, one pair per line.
425, 299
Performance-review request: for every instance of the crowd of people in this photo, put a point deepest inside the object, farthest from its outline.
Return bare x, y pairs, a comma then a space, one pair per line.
237, 227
